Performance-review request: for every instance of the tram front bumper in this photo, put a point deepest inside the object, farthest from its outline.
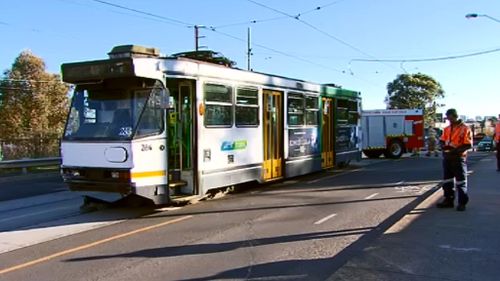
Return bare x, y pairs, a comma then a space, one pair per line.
102, 180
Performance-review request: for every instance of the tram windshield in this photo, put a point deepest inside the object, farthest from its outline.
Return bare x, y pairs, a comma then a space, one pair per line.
117, 109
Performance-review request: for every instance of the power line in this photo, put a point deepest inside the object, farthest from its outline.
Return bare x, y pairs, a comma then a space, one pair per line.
278, 51
247, 22
299, 58
171, 20
116, 11
297, 17
320, 7
225, 34
156, 17
277, 18
431, 59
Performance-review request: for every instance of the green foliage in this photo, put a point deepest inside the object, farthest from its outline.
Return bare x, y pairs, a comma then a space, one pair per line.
415, 91
33, 102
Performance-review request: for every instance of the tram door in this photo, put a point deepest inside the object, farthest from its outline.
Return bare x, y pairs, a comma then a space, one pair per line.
180, 138
273, 135
327, 136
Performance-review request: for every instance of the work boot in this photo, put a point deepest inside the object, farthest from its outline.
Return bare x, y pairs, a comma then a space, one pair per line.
461, 207
446, 203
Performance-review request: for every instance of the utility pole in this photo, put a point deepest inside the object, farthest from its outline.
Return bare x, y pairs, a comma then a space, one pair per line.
197, 37
249, 50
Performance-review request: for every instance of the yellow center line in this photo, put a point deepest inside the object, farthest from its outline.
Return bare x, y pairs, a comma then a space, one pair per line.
90, 245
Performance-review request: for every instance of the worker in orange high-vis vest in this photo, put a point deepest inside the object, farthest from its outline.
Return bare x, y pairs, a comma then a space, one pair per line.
497, 141
455, 141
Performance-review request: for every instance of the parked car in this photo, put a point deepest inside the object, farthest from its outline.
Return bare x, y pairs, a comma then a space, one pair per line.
486, 144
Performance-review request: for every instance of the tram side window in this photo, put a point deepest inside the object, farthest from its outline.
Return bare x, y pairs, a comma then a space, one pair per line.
247, 107
312, 110
353, 113
342, 112
347, 112
218, 105
295, 109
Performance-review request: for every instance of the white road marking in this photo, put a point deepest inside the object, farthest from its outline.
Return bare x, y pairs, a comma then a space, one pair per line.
325, 219
448, 247
371, 196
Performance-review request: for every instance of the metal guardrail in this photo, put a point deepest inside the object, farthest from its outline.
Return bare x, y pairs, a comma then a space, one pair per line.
24, 164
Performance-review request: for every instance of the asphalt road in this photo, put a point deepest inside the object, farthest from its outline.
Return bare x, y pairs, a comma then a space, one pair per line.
302, 229
16, 187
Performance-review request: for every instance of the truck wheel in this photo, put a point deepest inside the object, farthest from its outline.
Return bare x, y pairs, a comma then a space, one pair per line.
372, 153
394, 150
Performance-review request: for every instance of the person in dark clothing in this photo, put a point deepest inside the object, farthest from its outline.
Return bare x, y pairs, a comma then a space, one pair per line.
455, 141
497, 141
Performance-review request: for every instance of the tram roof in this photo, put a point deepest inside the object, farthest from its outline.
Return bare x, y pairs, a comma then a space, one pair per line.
197, 68
335, 91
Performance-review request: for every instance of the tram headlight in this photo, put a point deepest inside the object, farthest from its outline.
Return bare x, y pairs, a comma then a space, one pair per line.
71, 173
115, 175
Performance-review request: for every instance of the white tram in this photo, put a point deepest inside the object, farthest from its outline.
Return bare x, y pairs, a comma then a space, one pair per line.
164, 127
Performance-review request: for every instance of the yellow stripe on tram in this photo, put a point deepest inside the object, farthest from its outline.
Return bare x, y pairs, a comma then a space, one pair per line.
148, 174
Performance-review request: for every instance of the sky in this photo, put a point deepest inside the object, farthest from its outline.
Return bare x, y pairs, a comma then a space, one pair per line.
322, 41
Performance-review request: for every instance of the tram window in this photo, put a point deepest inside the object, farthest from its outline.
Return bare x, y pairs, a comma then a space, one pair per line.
312, 109
218, 115
218, 93
151, 122
247, 107
342, 115
218, 106
295, 109
312, 103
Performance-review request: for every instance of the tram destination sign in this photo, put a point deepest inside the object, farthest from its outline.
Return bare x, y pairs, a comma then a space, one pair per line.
96, 70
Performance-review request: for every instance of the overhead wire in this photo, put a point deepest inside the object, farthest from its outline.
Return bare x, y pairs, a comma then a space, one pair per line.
277, 18
171, 20
130, 13
331, 36
452, 57
278, 51
247, 22
185, 24
320, 7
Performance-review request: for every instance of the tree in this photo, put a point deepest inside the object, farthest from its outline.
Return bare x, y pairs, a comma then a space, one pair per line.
415, 91
33, 103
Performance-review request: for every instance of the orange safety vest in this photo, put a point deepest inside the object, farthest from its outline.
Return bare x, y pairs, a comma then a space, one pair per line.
457, 135
497, 131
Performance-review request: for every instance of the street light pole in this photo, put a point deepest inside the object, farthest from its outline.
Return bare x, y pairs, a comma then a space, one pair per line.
473, 15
